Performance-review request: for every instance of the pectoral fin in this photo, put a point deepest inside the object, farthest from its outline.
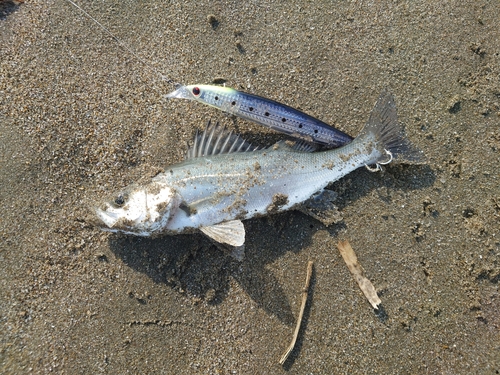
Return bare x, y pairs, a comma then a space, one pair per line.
229, 232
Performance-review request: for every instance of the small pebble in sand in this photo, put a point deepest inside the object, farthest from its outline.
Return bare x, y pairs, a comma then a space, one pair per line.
212, 20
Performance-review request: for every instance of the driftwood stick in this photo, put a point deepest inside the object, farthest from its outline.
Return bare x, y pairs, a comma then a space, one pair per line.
305, 293
358, 273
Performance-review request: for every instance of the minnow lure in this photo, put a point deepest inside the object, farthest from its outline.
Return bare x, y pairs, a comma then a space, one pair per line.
226, 180
266, 112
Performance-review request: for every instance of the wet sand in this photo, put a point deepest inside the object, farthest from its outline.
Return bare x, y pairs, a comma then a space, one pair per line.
80, 118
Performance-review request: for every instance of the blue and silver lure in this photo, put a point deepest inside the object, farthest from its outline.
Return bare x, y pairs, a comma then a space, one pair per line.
255, 108
266, 112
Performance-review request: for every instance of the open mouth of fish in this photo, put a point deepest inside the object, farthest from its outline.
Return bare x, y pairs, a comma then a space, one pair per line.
108, 218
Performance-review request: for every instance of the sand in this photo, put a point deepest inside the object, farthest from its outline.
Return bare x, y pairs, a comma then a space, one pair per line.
80, 117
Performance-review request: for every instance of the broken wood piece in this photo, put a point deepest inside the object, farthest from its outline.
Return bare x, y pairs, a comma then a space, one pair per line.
358, 273
305, 293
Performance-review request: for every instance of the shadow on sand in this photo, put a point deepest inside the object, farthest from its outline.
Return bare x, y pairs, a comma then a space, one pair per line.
194, 264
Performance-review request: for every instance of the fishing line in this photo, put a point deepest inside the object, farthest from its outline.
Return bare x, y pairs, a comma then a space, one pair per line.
124, 46
260, 110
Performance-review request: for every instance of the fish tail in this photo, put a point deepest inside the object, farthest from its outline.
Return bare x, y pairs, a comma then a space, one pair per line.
389, 135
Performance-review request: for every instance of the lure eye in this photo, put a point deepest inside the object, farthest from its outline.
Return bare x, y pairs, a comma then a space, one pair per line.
196, 91
120, 200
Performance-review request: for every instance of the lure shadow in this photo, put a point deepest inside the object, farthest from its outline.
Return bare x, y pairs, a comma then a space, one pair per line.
192, 263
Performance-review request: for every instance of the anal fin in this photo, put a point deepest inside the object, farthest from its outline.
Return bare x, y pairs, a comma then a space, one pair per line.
229, 232
320, 206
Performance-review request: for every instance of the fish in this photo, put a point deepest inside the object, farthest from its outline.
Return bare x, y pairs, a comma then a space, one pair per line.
266, 112
225, 180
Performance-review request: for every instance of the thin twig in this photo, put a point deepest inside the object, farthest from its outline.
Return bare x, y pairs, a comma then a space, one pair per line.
305, 293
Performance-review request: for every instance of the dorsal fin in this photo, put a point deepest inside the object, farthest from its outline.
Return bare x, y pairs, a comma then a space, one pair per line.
294, 145
216, 139
304, 146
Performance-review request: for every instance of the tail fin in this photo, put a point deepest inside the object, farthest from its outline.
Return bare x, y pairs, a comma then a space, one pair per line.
383, 124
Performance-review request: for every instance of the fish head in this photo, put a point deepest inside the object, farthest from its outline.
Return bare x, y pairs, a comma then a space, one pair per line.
139, 210
203, 93
191, 92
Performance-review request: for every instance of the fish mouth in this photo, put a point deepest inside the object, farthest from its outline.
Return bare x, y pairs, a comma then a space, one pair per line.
181, 93
109, 219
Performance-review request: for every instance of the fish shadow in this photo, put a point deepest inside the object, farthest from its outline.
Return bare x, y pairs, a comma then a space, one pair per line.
192, 264
402, 177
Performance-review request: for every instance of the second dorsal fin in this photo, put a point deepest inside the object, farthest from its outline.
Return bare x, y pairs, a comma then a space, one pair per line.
215, 140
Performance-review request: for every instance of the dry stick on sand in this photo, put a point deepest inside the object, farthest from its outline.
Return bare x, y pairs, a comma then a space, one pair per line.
358, 273
305, 293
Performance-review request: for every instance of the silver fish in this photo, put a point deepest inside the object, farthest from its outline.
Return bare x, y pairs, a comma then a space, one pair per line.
266, 112
226, 180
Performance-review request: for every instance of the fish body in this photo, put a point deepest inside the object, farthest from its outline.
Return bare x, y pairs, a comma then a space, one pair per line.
216, 188
266, 112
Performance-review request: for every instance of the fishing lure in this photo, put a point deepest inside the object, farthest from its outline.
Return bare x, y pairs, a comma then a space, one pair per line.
266, 112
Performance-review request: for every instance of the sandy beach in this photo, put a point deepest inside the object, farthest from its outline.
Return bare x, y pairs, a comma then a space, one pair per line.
80, 118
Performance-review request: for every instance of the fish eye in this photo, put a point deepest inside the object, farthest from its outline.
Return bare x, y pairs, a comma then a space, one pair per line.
196, 91
120, 200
